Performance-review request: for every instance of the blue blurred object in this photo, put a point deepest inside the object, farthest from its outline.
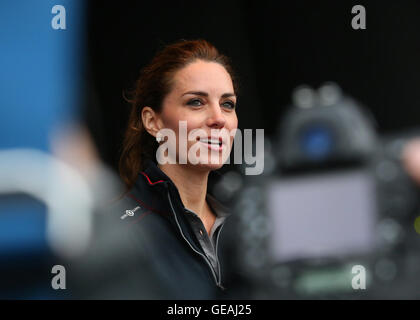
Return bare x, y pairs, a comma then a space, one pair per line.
317, 142
26, 235
41, 80
40, 70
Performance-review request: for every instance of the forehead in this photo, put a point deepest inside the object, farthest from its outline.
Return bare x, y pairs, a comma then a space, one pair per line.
206, 76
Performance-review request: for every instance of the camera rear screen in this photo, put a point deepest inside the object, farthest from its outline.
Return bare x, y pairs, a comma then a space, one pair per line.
322, 216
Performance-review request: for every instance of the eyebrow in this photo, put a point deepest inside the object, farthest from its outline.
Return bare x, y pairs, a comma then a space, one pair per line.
205, 94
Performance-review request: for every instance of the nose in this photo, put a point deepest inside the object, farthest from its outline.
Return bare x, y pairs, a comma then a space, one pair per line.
215, 118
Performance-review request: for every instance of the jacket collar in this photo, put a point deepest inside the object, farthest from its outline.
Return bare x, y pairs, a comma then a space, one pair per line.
157, 179
156, 190
155, 176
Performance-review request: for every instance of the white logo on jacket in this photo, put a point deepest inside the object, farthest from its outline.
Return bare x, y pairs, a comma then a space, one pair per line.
129, 213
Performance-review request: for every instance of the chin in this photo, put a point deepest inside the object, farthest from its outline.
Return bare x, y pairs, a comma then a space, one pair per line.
208, 166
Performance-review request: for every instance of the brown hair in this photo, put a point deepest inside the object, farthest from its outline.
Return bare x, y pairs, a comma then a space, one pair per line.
152, 86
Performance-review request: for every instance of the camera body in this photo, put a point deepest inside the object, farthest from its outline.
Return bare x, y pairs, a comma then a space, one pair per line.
333, 214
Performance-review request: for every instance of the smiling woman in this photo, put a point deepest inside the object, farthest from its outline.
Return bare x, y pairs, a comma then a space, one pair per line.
188, 87
179, 75
207, 112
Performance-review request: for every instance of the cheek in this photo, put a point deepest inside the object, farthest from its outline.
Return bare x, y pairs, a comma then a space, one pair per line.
170, 120
174, 114
194, 123
232, 122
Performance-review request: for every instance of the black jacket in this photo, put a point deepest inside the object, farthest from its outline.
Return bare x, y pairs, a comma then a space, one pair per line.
143, 247
172, 261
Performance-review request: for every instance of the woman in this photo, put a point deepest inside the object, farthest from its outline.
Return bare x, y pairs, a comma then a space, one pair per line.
175, 222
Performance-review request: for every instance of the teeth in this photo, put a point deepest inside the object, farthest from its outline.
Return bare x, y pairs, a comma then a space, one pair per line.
212, 141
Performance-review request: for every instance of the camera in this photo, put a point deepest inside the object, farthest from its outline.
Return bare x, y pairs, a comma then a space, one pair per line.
332, 216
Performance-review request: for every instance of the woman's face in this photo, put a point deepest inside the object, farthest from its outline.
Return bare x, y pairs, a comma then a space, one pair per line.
202, 95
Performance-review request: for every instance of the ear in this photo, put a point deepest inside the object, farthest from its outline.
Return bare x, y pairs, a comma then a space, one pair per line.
151, 121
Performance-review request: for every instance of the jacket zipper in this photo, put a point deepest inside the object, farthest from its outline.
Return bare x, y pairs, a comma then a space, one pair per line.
202, 255
217, 257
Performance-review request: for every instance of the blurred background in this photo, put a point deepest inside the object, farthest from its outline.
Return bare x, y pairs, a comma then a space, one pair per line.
274, 48
63, 113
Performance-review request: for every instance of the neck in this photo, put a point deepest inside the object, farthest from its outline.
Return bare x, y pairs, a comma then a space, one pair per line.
191, 185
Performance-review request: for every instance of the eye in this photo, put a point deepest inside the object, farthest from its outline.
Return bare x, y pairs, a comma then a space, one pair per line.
229, 104
195, 102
